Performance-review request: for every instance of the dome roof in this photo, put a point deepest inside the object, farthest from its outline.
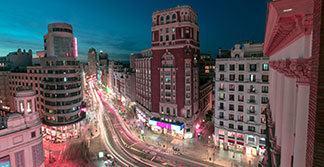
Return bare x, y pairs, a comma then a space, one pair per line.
15, 119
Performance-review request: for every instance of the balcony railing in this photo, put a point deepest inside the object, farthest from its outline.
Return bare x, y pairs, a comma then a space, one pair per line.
252, 101
252, 91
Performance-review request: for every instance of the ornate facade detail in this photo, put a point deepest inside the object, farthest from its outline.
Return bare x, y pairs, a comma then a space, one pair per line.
284, 27
294, 68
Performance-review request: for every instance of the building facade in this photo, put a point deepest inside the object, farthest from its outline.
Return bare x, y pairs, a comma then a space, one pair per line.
294, 44
241, 95
92, 62
21, 134
57, 82
171, 72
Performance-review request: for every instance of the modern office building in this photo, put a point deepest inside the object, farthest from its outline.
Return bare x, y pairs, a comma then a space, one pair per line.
241, 96
294, 44
20, 132
170, 78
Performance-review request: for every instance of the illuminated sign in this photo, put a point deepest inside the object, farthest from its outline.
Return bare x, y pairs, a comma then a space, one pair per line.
75, 47
5, 161
166, 125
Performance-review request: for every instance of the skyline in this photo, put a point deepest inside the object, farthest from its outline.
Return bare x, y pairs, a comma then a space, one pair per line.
120, 30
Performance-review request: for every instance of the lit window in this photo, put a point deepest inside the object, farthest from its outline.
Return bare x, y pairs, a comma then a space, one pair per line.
265, 67
29, 102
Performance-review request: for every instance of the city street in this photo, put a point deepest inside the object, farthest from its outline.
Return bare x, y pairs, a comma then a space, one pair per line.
192, 151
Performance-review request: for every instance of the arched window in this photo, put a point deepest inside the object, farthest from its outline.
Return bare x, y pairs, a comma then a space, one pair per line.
174, 16
168, 17
161, 19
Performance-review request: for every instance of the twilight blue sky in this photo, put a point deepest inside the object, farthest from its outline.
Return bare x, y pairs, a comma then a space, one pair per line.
121, 27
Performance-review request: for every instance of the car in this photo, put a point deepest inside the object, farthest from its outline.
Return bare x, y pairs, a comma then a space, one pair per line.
109, 160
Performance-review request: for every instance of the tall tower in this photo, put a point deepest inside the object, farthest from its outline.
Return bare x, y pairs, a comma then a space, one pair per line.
92, 61
174, 70
59, 41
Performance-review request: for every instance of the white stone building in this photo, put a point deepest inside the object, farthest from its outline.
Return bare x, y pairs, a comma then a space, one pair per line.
241, 97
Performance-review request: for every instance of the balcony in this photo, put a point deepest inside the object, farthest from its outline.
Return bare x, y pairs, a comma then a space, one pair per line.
252, 91
221, 108
251, 112
252, 101
221, 98
221, 89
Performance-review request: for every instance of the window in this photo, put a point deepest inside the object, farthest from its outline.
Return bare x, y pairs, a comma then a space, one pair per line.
221, 106
232, 77
187, 95
252, 109
241, 77
263, 131
240, 108
221, 67
221, 86
33, 134
252, 78
240, 98
265, 67
253, 67
252, 89
167, 37
241, 67
174, 16
167, 30
173, 37
264, 100
240, 118
187, 32
167, 87
252, 99
231, 107
251, 128
167, 80
239, 127
231, 87
231, 116
29, 106
241, 88
221, 115
222, 96
263, 120
251, 118
21, 106
161, 38
168, 17
265, 89
221, 77
187, 88
231, 97
263, 110
232, 67
221, 123
161, 19
265, 78
231, 126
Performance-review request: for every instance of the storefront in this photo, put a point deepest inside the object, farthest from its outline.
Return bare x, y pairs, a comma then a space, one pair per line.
60, 133
174, 129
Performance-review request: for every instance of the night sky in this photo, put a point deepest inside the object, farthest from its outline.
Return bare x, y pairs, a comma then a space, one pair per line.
121, 27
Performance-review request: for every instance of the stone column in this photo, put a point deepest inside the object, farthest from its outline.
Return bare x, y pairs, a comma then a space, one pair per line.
272, 88
289, 107
301, 126
279, 105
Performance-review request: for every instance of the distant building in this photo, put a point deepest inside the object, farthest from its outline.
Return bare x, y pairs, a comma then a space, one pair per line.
21, 141
103, 68
92, 62
241, 96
